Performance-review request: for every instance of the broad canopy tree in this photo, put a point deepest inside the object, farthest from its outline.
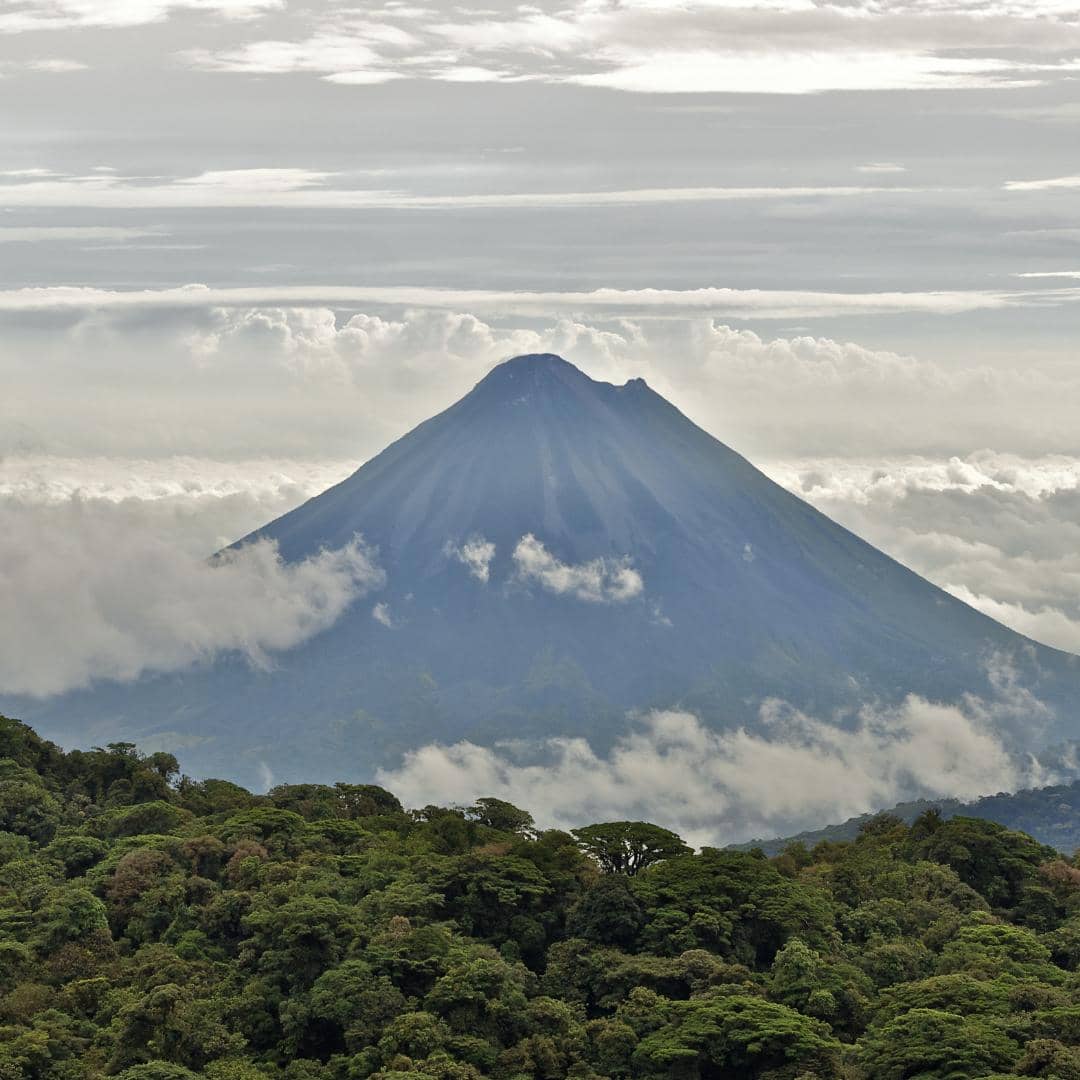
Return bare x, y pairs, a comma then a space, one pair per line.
628, 847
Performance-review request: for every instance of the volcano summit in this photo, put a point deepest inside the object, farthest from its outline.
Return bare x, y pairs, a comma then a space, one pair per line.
558, 551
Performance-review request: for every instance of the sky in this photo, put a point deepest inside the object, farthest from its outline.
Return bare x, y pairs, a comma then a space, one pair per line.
246, 243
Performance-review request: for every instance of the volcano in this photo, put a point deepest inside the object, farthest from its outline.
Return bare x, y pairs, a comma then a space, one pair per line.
557, 553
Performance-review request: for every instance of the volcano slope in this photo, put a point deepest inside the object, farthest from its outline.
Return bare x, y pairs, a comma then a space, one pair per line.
558, 551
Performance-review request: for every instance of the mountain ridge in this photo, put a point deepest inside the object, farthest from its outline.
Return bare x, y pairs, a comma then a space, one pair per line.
1049, 814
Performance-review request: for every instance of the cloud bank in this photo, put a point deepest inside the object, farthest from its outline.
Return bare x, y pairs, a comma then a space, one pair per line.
720, 787
320, 382
598, 581
88, 595
999, 531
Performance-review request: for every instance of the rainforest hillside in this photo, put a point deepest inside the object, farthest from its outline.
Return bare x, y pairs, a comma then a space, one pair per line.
157, 928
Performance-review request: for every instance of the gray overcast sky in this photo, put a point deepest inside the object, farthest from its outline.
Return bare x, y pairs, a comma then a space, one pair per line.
245, 243
844, 147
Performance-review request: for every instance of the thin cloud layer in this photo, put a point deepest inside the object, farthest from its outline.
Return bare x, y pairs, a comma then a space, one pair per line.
38, 15
738, 303
306, 189
720, 787
598, 581
696, 47
90, 594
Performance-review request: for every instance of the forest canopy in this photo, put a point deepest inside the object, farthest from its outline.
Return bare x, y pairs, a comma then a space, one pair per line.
155, 927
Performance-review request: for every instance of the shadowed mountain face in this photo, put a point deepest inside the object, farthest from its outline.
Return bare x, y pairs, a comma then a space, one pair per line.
558, 551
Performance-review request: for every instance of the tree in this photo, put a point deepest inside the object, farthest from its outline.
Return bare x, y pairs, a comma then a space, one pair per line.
480, 994
346, 1009
730, 902
827, 988
1050, 1058
165, 765
76, 853
737, 1038
26, 805
295, 942
935, 1045
156, 1070
993, 860
608, 914
501, 816
628, 847
143, 819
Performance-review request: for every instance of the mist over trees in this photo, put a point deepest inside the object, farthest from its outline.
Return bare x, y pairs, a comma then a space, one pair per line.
153, 927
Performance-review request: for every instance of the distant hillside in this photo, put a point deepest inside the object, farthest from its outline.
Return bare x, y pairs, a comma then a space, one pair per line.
1051, 815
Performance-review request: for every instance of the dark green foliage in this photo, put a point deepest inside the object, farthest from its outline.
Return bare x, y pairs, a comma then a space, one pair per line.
994, 861
933, 1043
628, 847
157, 928
501, 816
734, 904
608, 914
731, 1037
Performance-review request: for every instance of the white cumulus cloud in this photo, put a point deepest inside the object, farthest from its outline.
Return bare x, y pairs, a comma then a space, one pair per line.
598, 581
475, 555
91, 593
720, 787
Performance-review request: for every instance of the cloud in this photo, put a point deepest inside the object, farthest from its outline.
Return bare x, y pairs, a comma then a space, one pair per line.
476, 555
696, 47
726, 71
999, 531
1056, 183
89, 234
598, 581
323, 384
56, 65
95, 591
37, 15
880, 167
736, 303
309, 189
717, 787
208, 502
1048, 624
347, 56
381, 614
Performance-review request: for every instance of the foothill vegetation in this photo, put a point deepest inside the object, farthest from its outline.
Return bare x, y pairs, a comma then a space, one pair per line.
157, 927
